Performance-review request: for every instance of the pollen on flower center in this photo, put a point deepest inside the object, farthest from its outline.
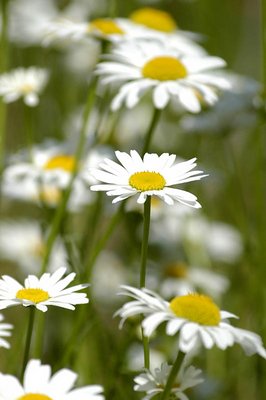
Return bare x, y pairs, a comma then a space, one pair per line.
106, 26
147, 180
196, 308
34, 295
34, 396
164, 69
65, 162
154, 19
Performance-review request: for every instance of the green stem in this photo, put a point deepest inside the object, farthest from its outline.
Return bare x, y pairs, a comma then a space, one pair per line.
59, 215
143, 263
102, 241
263, 47
28, 339
145, 241
3, 67
29, 129
172, 376
151, 129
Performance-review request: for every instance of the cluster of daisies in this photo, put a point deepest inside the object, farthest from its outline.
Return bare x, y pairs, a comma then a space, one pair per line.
148, 57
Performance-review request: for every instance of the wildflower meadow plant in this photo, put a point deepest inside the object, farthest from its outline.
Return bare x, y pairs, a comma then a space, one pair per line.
112, 114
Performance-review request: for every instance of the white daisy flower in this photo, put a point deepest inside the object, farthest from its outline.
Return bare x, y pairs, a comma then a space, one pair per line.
4, 331
195, 316
151, 65
180, 279
42, 178
22, 243
153, 383
111, 29
39, 384
49, 290
151, 176
23, 82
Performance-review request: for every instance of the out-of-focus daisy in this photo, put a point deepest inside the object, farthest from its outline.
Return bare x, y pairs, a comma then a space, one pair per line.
202, 239
22, 243
108, 274
4, 332
27, 83
117, 30
153, 383
39, 384
42, 178
180, 279
195, 316
144, 66
151, 176
49, 290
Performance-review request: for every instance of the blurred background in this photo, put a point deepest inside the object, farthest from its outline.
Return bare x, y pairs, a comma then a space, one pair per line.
227, 237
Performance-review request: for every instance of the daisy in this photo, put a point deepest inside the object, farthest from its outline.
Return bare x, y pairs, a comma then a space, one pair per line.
21, 82
153, 383
4, 331
151, 176
180, 279
48, 172
151, 65
195, 316
49, 290
22, 243
39, 384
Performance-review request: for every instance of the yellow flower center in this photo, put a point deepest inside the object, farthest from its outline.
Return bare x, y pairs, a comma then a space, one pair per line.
164, 69
65, 162
34, 295
177, 270
154, 19
50, 195
147, 180
34, 396
27, 88
106, 26
196, 308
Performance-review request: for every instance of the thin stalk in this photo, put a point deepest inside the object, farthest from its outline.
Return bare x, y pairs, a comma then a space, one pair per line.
28, 120
102, 241
145, 241
59, 215
172, 376
28, 339
3, 68
151, 129
143, 263
263, 47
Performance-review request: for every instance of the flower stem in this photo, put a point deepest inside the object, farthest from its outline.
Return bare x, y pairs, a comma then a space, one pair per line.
28, 339
263, 47
102, 241
143, 263
59, 215
145, 240
150, 131
3, 67
172, 376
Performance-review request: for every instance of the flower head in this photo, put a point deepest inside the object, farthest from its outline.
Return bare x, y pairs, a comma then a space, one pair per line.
38, 384
49, 290
4, 331
153, 383
25, 83
166, 71
151, 176
195, 316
